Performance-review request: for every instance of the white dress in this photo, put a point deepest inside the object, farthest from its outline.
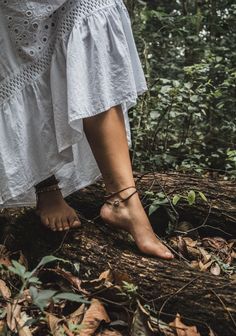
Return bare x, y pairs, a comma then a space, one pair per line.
60, 61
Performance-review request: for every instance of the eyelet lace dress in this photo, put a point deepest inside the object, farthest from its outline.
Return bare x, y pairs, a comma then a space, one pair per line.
60, 61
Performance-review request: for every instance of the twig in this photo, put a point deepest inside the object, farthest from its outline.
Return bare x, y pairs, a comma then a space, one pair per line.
226, 309
177, 292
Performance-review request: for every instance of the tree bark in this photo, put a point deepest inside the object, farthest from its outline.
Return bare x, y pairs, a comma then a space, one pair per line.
218, 212
170, 286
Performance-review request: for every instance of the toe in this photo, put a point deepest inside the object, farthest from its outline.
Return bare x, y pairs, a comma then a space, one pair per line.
59, 224
45, 221
52, 224
156, 248
65, 224
74, 221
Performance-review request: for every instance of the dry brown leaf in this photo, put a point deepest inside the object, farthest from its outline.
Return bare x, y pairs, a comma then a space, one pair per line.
13, 311
233, 254
73, 280
140, 322
5, 261
182, 329
190, 242
215, 269
77, 316
22, 329
204, 267
2, 327
4, 290
109, 333
217, 243
55, 324
194, 264
119, 277
93, 317
182, 247
106, 276
211, 332
205, 255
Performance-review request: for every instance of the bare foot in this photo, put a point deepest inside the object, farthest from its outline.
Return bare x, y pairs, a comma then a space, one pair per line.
130, 216
55, 213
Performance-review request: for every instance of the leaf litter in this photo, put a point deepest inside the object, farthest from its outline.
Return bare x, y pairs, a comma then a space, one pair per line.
31, 305
53, 300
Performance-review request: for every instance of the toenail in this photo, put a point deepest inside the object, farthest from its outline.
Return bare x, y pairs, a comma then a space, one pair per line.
76, 223
169, 255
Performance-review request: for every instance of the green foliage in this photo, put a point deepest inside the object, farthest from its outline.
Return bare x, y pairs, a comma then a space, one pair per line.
191, 196
187, 120
40, 297
129, 289
158, 200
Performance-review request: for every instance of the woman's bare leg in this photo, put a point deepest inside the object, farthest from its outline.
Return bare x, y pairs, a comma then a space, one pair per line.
107, 137
53, 210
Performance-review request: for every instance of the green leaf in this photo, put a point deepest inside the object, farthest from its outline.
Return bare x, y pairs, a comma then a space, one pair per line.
45, 260
34, 280
48, 259
41, 298
191, 197
70, 297
153, 208
202, 196
17, 269
176, 199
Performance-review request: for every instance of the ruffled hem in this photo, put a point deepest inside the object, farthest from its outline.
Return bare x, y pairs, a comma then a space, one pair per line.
92, 69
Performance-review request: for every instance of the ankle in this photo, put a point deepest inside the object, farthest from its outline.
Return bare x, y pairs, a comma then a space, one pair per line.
122, 196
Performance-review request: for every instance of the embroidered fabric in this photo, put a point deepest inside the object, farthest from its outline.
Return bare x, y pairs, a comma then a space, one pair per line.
35, 33
87, 64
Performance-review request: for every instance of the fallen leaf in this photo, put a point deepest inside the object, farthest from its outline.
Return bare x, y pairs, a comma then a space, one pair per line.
204, 267
211, 332
77, 316
4, 290
190, 242
93, 317
217, 243
215, 269
109, 333
182, 247
23, 330
182, 329
13, 311
2, 327
5, 261
140, 322
106, 276
194, 264
165, 329
73, 280
55, 324
205, 255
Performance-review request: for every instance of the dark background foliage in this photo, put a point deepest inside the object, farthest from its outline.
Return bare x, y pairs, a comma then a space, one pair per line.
187, 119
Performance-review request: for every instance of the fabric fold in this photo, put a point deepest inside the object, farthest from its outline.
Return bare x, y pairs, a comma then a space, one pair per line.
93, 66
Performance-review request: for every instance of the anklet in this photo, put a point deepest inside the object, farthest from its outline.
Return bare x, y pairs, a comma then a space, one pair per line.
117, 202
48, 189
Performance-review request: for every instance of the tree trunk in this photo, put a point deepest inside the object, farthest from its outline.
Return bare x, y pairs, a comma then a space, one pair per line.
195, 295
218, 212
172, 286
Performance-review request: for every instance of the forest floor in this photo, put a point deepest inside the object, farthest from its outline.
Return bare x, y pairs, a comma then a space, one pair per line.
41, 294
